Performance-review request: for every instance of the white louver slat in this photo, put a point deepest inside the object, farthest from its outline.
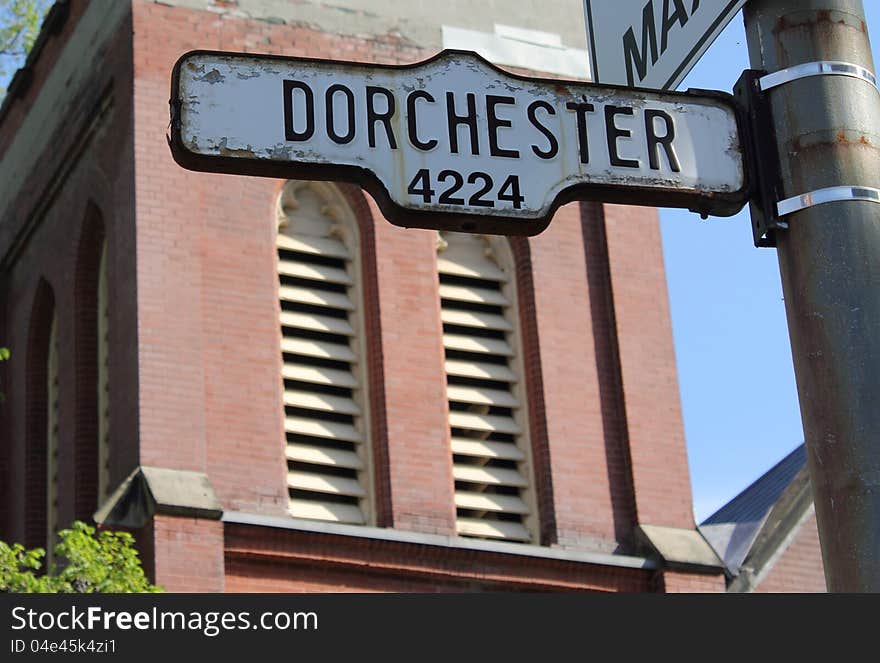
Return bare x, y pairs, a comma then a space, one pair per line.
318, 375
472, 294
477, 344
483, 449
320, 246
479, 370
317, 349
481, 396
493, 529
490, 502
490, 464
474, 319
326, 440
314, 272
476, 269
314, 297
325, 483
318, 323
326, 430
332, 511
494, 476
313, 455
483, 422
321, 402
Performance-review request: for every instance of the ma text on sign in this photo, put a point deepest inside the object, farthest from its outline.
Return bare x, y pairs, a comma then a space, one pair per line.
652, 43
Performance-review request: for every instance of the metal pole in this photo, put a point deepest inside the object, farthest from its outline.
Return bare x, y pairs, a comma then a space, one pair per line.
828, 134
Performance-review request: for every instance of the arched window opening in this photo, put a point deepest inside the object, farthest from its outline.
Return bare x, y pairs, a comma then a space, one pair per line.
324, 359
494, 495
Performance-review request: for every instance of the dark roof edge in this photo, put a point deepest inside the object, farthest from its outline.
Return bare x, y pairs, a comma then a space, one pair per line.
52, 25
747, 492
776, 533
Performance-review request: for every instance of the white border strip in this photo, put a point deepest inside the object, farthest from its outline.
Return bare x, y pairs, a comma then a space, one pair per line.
831, 194
456, 542
822, 68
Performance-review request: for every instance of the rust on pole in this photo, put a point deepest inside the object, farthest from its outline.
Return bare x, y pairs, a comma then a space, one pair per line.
828, 139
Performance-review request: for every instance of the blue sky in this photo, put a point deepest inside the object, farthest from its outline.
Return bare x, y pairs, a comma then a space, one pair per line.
735, 370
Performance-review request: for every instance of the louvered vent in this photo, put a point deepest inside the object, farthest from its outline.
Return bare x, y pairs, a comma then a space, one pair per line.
324, 423
52, 440
486, 418
103, 382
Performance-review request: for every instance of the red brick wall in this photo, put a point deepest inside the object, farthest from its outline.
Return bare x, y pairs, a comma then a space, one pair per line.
237, 334
187, 554
375, 360
581, 490
799, 569
676, 582
542, 467
264, 559
420, 462
175, 210
661, 481
607, 352
186, 263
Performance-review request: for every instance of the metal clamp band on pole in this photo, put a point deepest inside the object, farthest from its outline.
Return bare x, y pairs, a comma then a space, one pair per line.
822, 68
831, 194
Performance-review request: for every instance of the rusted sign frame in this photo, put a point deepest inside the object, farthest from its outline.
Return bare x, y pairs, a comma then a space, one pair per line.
705, 204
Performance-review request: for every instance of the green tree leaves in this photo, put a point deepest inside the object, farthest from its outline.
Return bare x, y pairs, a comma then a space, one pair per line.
105, 563
17, 567
19, 25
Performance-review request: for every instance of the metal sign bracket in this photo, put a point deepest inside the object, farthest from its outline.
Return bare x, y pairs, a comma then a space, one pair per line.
767, 205
761, 158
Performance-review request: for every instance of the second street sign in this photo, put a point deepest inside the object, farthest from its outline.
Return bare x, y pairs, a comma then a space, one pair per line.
454, 143
646, 43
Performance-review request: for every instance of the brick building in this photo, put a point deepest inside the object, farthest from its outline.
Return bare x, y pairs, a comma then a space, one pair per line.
434, 412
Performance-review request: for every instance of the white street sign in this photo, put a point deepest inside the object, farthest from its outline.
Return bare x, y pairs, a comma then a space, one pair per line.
652, 43
453, 142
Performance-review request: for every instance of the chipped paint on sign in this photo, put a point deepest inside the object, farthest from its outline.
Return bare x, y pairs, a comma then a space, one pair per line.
456, 136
